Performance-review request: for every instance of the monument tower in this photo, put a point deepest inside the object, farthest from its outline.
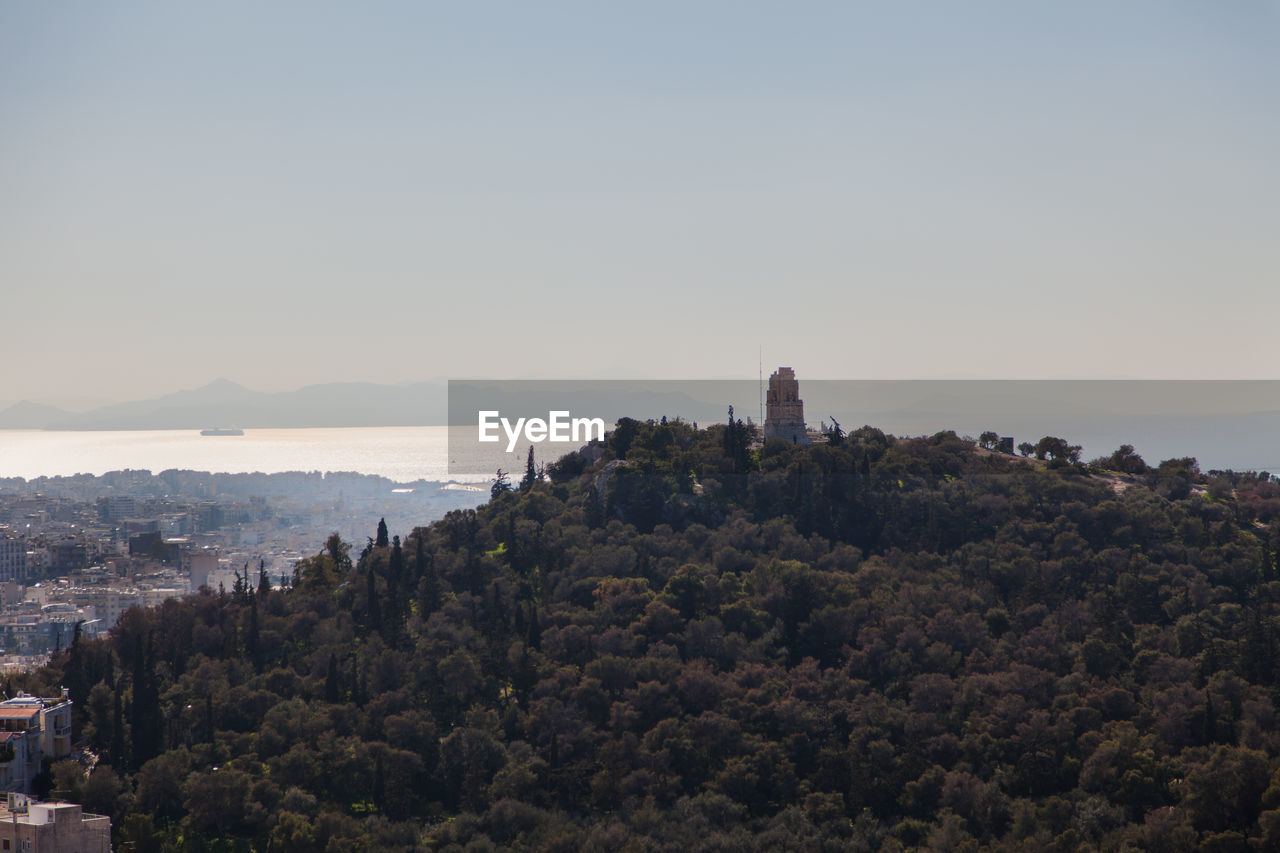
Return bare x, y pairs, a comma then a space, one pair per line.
784, 410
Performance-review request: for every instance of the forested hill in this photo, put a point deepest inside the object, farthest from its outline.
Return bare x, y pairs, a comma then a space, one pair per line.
680, 643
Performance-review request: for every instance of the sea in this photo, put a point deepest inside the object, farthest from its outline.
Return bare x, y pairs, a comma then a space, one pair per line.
424, 453
402, 454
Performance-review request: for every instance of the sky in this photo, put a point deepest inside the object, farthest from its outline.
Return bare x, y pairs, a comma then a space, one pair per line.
290, 193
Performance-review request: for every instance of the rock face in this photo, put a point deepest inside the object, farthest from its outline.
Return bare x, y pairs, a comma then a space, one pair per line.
784, 410
602, 479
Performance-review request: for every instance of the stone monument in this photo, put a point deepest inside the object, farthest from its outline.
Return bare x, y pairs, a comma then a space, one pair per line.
784, 410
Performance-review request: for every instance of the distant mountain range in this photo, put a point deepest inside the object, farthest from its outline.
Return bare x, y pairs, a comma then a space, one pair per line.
223, 403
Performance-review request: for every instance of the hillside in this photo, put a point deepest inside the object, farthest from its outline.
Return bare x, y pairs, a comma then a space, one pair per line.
28, 415
689, 645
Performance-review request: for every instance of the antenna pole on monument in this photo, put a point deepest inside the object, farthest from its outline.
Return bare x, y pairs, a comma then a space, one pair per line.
761, 389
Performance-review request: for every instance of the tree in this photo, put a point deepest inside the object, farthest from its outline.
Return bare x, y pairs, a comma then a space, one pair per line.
397, 605
292, 833
501, 485
371, 592
1057, 450
101, 790
252, 634
889, 642
327, 568
566, 468
395, 564
594, 507
834, 434
146, 716
989, 440
332, 685
737, 443
383, 539
425, 568
339, 552
1026, 448
379, 780
76, 681
1126, 461
624, 432
530, 473
1173, 477
118, 746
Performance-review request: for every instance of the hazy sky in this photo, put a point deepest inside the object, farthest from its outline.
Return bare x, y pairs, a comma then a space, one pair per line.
292, 193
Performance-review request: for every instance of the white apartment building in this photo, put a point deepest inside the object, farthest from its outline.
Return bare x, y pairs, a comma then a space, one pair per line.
31, 729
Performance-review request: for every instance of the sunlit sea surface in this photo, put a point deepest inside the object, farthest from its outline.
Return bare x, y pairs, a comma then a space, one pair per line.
407, 454
403, 454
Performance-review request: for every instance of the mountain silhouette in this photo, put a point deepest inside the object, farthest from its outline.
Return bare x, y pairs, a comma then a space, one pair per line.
226, 403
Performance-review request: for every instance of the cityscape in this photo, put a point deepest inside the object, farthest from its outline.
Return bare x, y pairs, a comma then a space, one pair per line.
76, 552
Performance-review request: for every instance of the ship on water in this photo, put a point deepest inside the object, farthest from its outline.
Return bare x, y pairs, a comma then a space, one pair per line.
222, 431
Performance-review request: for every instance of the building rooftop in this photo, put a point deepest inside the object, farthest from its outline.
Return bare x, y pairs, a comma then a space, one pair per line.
25, 702
21, 809
18, 712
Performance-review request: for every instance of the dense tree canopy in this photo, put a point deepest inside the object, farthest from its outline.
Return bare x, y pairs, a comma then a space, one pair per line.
675, 642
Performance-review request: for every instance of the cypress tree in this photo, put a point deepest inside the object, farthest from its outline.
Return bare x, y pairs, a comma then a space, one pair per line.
146, 718
75, 670
395, 567
429, 588
374, 610
419, 557
117, 751
497, 613
359, 696
251, 639
534, 637
379, 784
524, 678
383, 539
424, 579
1208, 732
397, 612
737, 444
332, 686
530, 473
